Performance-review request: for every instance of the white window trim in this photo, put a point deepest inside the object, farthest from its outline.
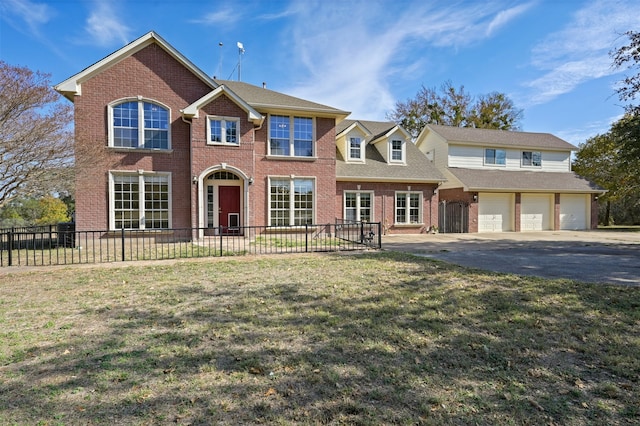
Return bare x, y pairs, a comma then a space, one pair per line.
292, 138
362, 150
140, 100
358, 193
223, 136
141, 174
291, 179
420, 208
403, 149
530, 165
484, 157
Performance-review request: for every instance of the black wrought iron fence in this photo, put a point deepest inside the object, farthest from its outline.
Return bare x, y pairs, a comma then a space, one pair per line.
64, 245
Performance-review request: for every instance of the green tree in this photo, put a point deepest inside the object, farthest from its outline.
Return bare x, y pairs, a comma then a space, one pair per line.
629, 56
46, 210
36, 143
52, 210
451, 106
604, 160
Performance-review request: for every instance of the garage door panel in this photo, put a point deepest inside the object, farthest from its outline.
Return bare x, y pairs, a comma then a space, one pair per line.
495, 212
573, 211
536, 212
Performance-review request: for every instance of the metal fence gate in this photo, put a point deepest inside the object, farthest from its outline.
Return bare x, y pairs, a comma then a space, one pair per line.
453, 217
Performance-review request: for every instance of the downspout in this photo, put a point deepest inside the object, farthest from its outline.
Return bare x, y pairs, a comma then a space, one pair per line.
253, 170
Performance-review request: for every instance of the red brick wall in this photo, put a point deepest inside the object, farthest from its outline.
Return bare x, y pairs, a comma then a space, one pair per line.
384, 204
323, 168
152, 74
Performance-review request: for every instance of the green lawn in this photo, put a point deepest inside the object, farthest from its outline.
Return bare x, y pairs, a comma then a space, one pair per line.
366, 338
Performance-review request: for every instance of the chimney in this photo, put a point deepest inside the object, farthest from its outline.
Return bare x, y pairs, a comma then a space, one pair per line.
264, 84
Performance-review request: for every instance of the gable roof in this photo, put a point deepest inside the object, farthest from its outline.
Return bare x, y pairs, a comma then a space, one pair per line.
418, 168
520, 181
502, 138
373, 129
73, 85
262, 98
193, 110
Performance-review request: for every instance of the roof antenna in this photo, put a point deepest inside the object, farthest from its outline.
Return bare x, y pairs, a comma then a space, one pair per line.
219, 72
240, 53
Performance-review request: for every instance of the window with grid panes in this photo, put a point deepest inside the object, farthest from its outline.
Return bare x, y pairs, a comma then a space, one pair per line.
139, 124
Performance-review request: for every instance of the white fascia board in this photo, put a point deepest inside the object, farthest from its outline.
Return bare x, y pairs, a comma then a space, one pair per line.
192, 111
73, 85
355, 125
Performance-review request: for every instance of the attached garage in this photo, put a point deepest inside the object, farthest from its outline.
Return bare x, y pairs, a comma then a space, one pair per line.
536, 212
495, 212
574, 210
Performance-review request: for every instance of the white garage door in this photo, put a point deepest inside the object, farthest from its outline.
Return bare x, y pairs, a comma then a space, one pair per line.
495, 212
574, 211
536, 212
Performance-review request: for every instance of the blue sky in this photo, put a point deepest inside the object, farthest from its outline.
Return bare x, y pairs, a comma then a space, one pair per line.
551, 57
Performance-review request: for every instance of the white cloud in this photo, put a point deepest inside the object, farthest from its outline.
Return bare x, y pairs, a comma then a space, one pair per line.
505, 16
32, 13
226, 16
105, 27
577, 136
348, 54
580, 52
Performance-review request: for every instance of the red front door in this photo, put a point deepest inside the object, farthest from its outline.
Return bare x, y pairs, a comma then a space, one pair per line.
229, 202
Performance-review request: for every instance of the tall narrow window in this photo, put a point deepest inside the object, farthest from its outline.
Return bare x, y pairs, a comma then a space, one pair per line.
408, 207
140, 201
397, 149
291, 202
355, 149
139, 124
290, 136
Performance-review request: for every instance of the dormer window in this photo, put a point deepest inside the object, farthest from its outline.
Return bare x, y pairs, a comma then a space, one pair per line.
223, 131
397, 151
139, 125
355, 149
531, 159
495, 157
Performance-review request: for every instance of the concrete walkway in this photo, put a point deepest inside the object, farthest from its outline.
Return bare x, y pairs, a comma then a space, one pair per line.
592, 256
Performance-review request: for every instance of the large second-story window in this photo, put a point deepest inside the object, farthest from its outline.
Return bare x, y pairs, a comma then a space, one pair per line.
139, 125
223, 130
290, 136
495, 156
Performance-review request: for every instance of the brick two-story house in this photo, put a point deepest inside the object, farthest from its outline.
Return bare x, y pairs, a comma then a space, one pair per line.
182, 150
508, 181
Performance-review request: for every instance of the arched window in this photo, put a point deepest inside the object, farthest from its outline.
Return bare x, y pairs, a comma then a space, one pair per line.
139, 125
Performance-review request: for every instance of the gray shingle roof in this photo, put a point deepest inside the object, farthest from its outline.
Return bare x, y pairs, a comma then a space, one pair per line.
418, 168
262, 98
375, 128
519, 181
504, 138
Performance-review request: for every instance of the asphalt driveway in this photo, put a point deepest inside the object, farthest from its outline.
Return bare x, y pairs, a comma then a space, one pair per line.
591, 256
